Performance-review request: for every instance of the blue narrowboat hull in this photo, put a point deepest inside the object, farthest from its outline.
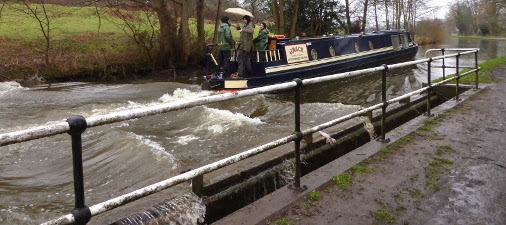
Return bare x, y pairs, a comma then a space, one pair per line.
322, 56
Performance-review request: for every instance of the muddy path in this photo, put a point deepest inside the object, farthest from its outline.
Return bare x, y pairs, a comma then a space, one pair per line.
450, 171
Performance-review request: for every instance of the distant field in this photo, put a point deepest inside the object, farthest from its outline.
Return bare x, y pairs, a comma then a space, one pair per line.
76, 48
79, 20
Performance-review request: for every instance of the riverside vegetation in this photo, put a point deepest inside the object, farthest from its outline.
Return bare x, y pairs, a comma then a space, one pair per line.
87, 43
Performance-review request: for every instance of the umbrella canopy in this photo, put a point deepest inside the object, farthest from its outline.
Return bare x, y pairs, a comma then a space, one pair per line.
239, 12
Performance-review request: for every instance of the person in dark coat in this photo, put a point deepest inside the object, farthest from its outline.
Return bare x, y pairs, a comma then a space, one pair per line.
225, 44
245, 42
262, 39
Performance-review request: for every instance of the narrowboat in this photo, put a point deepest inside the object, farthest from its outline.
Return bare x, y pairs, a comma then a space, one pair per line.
307, 57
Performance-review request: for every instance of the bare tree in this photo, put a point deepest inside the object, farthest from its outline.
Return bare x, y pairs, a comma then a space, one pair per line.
293, 21
348, 19
2, 7
217, 22
364, 20
44, 15
140, 25
201, 36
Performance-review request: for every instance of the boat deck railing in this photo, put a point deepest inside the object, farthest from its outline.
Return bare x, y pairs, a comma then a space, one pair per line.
269, 55
76, 125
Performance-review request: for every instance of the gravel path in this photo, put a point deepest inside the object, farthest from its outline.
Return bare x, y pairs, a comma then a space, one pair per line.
451, 171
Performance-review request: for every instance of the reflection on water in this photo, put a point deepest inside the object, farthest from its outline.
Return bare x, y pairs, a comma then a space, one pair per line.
36, 177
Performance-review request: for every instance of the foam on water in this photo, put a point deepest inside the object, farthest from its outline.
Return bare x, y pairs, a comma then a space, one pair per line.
183, 94
157, 149
183, 140
8, 86
218, 121
178, 95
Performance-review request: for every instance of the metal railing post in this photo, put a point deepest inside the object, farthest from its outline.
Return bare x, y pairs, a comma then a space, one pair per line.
458, 77
443, 53
77, 126
385, 103
198, 185
297, 132
429, 84
476, 67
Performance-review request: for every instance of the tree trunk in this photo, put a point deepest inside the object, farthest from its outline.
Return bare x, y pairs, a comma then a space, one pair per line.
201, 38
217, 23
294, 18
282, 16
167, 35
386, 15
376, 14
348, 20
275, 14
184, 34
364, 20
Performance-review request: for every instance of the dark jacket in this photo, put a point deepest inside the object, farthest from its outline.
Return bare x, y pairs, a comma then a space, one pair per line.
261, 40
246, 37
225, 40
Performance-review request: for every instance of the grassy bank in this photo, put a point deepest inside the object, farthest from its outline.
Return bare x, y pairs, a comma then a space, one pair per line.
483, 76
78, 50
481, 37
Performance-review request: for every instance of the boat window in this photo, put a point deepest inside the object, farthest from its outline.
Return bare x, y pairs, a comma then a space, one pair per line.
357, 48
314, 54
370, 45
395, 42
332, 51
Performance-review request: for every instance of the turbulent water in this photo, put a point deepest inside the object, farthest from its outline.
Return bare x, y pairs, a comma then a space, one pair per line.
36, 181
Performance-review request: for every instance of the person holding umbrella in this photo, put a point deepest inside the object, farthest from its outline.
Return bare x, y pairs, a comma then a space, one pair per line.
225, 44
245, 43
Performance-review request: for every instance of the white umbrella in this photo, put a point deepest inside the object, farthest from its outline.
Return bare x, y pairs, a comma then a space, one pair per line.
239, 12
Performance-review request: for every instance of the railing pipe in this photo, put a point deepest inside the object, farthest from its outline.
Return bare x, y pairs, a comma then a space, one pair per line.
458, 77
429, 85
476, 67
77, 126
384, 101
299, 136
443, 53
63, 127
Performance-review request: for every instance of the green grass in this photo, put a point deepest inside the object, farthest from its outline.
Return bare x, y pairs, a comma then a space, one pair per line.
282, 221
426, 128
430, 122
385, 150
343, 180
314, 195
481, 37
79, 20
360, 169
382, 214
482, 74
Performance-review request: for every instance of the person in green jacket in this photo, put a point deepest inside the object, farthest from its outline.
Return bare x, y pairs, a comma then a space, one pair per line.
262, 39
225, 44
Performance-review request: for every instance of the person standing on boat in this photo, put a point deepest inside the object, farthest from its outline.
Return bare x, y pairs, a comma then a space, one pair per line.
225, 44
262, 39
245, 42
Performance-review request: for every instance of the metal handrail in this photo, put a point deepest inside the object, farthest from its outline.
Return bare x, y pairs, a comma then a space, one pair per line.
73, 129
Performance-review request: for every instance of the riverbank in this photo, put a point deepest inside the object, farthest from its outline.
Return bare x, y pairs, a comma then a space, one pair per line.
449, 170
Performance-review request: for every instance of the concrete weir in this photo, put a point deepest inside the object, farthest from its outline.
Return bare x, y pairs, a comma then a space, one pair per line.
251, 190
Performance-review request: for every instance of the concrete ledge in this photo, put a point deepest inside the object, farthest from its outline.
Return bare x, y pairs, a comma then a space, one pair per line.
261, 209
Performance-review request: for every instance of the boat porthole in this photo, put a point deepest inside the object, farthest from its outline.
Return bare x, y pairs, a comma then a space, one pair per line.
314, 54
370, 45
332, 51
357, 48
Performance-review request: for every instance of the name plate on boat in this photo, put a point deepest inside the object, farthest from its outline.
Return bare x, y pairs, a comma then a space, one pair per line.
296, 53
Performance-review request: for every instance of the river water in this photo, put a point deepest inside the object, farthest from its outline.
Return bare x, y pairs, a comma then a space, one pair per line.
36, 181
